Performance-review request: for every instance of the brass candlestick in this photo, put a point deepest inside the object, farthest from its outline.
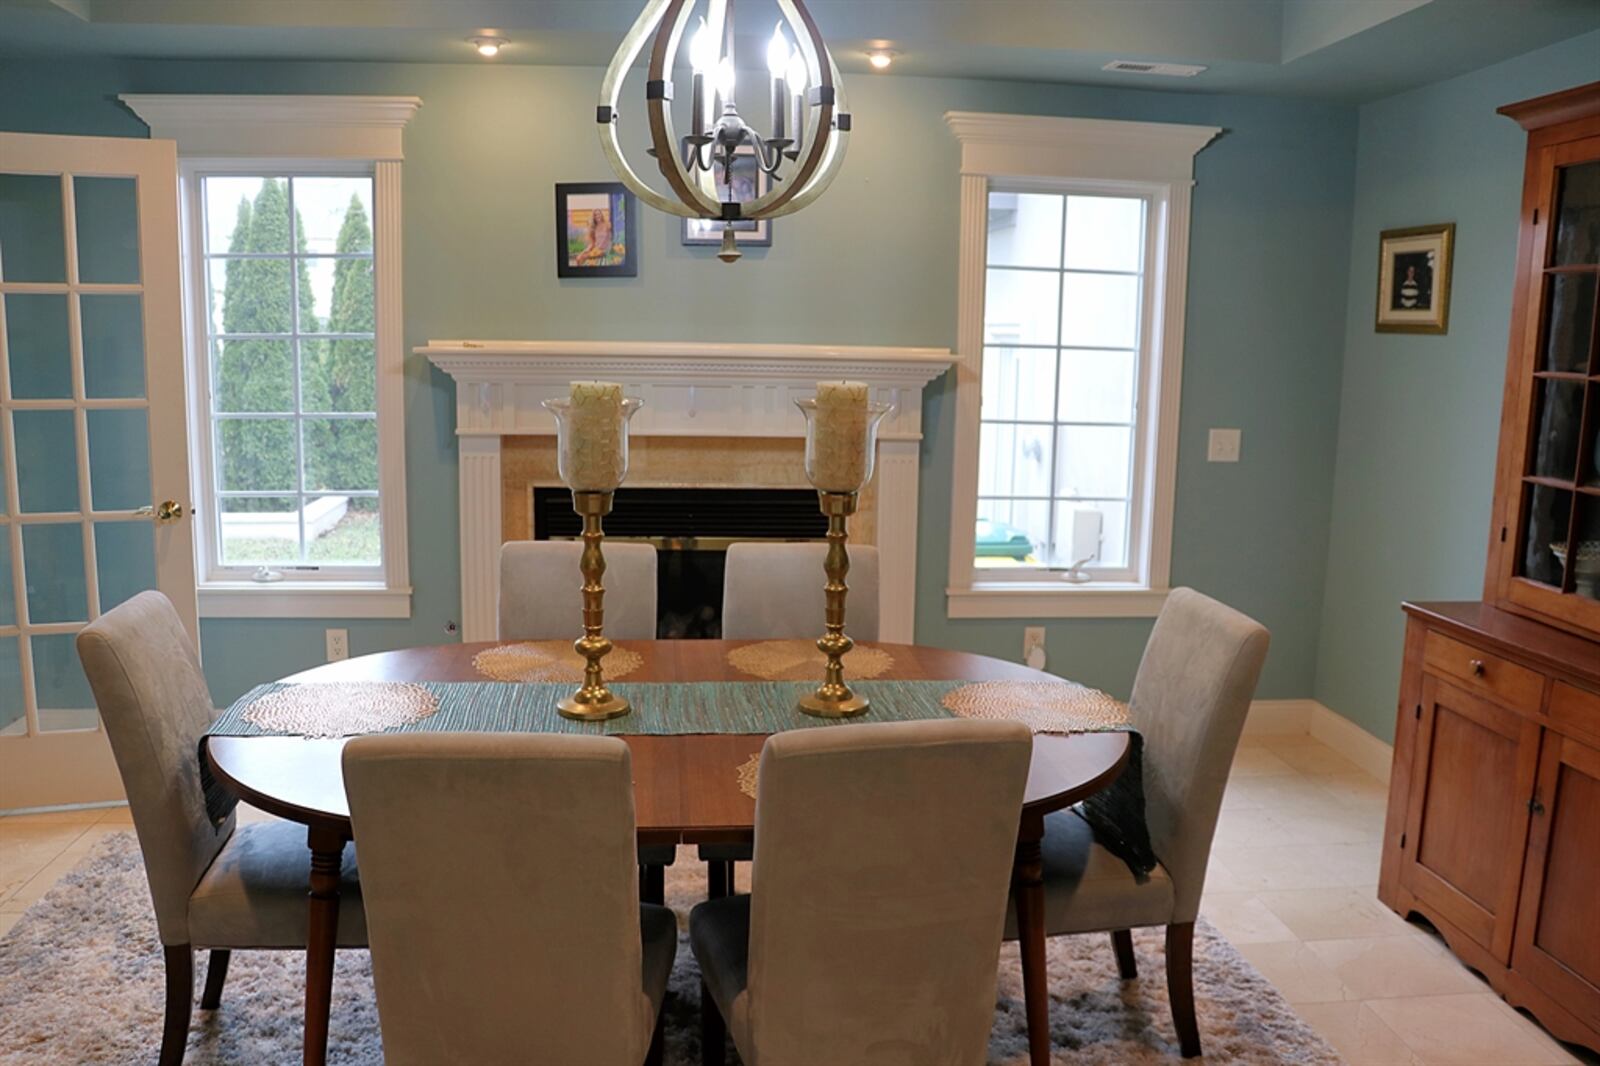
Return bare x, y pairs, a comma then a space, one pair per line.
833, 698
593, 702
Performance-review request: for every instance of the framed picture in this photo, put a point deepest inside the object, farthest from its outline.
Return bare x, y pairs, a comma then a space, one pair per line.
1414, 279
595, 231
749, 182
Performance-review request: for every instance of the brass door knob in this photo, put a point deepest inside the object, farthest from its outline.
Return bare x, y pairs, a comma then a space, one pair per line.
165, 511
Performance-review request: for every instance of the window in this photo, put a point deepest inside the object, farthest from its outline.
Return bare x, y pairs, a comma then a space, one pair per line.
292, 267
1073, 254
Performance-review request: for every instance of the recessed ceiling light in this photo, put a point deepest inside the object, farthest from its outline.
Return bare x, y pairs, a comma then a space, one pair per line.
488, 45
880, 58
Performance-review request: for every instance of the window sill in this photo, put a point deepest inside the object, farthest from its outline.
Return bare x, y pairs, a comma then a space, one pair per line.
247, 599
1014, 599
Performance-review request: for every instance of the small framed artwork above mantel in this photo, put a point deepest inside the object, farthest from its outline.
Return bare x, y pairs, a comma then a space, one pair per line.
749, 182
596, 235
1414, 267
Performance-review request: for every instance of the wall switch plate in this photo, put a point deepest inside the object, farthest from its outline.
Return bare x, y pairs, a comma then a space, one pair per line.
338, 644
1223, 446
1033, 646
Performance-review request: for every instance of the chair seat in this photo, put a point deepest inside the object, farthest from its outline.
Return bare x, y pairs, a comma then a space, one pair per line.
658, 927
254, 893
1087, 889
727, 852
719, 934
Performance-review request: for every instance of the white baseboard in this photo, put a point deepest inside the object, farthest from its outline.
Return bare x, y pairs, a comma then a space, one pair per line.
1307, 716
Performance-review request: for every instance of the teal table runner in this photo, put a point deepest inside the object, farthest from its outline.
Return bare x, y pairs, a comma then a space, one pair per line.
675, 708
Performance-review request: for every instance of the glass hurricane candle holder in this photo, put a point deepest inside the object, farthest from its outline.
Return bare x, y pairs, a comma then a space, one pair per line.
841, 442
592, 458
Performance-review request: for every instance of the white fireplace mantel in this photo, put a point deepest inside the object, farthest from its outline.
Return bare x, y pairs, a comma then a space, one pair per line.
690, 390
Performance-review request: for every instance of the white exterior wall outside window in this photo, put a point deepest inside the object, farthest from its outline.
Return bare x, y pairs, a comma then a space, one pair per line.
1073, 256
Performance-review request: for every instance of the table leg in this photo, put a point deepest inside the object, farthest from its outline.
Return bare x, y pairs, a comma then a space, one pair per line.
327, 856
1027, 890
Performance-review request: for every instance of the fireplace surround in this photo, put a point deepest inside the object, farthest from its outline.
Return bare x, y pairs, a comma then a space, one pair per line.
715, 415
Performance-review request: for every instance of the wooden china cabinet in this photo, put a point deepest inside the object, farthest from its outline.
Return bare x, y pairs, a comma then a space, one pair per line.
1493, 828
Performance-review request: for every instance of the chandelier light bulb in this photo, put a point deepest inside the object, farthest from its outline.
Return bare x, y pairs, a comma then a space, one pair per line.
726, 78
703, 50
488, 46
777, 52
880, 59
796, 74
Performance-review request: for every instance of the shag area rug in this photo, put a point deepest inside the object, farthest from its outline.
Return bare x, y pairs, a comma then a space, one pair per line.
83, 982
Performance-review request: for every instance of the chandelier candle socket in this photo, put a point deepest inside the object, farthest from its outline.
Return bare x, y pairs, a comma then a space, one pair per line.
592, 457
841, 440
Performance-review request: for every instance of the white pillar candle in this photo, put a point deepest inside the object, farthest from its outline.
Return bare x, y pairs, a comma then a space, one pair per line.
841, 441
593, 446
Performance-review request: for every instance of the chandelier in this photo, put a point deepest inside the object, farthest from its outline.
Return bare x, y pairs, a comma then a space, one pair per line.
807, 125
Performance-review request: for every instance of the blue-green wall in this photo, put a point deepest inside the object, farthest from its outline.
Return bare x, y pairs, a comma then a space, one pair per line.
873, 262
1419, 415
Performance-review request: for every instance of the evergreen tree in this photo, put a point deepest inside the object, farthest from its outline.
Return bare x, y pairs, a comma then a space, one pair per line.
343, 453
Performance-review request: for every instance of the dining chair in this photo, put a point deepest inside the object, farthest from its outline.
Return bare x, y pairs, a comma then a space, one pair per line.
871, 932
541, 598
218, 886
505, 918
541, 595
1190, 696
774, 592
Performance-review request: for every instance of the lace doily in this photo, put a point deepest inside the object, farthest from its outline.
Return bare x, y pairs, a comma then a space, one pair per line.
341, 708
1043, 706
747, 775
549, 660
799, 660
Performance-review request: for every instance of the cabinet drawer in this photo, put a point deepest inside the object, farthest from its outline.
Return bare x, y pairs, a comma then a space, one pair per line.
1575, 708
1514, 685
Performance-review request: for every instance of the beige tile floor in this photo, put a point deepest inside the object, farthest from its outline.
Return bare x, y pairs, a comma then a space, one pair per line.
1292, 884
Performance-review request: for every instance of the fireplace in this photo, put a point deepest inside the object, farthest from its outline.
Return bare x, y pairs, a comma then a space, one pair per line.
691, 530
717, 417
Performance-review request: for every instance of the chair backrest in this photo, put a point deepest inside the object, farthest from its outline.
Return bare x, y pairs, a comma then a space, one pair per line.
499, 878
882, 864
774, 591
1190, 697
541, 594
155, 704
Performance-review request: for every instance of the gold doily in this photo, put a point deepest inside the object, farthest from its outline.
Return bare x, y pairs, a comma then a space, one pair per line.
549, 660
799, 660
1043, 706
341, 708
747, 775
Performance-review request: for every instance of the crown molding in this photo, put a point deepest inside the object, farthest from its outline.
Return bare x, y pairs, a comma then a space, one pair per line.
330, 127
1044, 146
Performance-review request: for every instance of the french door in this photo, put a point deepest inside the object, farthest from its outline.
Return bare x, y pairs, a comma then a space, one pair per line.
94, 498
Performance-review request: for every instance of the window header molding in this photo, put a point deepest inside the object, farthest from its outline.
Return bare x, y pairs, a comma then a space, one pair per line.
1083, 148
324, 127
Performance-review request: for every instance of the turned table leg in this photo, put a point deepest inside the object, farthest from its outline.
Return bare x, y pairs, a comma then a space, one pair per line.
327, 856
1027, 890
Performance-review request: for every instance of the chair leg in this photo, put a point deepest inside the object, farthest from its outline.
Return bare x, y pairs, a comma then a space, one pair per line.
658, 1042
180, 998
1122, 944
719, 879
653, 884
713, 1031
1180, 987
216, 974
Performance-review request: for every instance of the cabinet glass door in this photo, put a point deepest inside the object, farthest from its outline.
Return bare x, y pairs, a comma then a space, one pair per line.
93, 471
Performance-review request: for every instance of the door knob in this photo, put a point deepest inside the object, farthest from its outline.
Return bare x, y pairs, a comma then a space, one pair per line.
165, 511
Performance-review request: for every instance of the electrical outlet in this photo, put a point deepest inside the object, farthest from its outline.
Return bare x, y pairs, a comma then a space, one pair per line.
338, 644
1033, 646
1223, 446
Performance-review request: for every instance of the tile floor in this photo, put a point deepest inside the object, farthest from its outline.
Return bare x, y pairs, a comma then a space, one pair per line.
1292, 884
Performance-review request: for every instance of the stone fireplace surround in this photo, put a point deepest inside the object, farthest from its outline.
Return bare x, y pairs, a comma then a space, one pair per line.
714, 415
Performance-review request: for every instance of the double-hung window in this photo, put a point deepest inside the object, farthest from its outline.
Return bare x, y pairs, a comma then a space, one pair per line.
1074, 246
291, 219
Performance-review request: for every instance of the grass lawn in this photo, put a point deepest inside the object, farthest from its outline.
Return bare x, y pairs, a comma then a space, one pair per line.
354, 540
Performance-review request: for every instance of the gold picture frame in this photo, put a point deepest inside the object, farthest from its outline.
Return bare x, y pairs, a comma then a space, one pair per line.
1414, 276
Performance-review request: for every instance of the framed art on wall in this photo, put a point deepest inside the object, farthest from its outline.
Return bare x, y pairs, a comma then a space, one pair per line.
595, 231
1414, 279
749, 182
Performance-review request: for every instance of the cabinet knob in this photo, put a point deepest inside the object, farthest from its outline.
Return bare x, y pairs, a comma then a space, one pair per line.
1477, 667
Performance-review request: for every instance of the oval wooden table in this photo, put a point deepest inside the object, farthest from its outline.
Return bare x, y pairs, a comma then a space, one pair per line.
685, 787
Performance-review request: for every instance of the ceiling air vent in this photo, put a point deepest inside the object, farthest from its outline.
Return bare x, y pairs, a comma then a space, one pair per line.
1169, 70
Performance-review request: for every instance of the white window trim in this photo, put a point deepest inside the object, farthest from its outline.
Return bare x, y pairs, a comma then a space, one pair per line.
327, 134
1155, 160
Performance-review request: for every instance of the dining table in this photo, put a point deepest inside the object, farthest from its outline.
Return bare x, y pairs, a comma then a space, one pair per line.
686, 786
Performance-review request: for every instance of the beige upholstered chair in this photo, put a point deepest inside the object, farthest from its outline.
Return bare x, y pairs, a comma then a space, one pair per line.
774, 591
872, 930
1189, 701
505, 918
541, 597
214, 886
